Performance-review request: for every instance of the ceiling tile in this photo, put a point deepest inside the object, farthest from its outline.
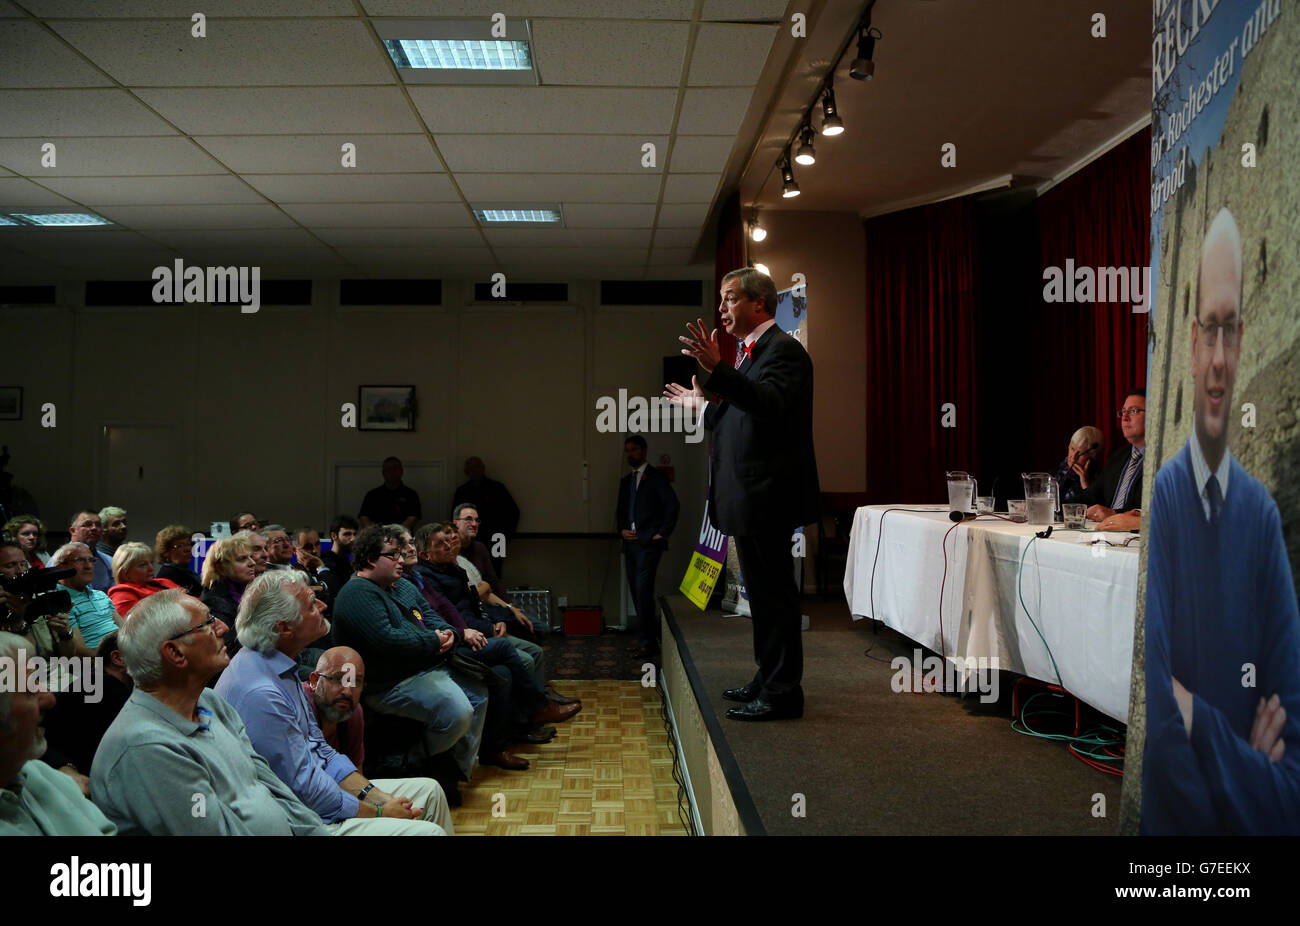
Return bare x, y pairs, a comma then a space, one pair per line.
584, 9
107, 157
541, 153
183, 9
367, 215
677, 237
701, 152
416, 256
555, 110
319, 154
201, 239
555, 258
34, 58
354, 188
565, 188
53, 113
282, 111
643, 54
7, 10
691, 188
743, 10
568, 237
713, 112
683, 216
244, 215
671, 256
730, 54
138, 191
609, 216
17, 193
399, 237
235, 53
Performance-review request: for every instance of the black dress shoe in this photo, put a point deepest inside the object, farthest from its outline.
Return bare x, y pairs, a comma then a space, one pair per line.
743, 694
762, 709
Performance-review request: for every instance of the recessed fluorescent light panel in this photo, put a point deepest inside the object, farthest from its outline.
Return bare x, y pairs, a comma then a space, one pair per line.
460, 51
64, 219
530, 216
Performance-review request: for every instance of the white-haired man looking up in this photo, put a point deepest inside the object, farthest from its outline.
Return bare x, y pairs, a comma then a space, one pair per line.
278, 617
177, 761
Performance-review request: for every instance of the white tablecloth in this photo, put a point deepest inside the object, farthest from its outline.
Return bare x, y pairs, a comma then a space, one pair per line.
1082, 598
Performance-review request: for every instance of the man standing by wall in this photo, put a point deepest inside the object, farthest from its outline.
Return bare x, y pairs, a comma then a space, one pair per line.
763, 476
646, 515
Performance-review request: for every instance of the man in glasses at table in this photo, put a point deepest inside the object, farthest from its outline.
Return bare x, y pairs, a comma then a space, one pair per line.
1116, 498
1222, 752
177, 761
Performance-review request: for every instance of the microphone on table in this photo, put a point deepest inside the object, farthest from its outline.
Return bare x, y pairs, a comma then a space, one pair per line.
955, 516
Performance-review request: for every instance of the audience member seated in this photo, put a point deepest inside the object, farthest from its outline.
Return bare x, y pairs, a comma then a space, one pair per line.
1116, 498
258, 549
29, 533
174, 547
279, 548
93, 616
494, 503
45, 636
36, 800
75, 725
113, 523
244, 521
334, 689
336, 561
85, 528
467, 522
133, 570
176, 761
394, 502
406, 659
227, 570
519, 624
1082, 461
278, 616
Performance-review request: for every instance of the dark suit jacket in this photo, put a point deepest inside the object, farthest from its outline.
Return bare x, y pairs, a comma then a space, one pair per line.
656, 505
1102, 491
763, 469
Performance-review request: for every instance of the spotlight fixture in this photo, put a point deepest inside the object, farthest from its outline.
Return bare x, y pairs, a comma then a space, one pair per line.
831, 122
806, 155
756, 229
762, 268
863, 68
789, 187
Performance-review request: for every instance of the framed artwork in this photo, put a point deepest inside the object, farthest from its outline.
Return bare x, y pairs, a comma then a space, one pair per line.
386, 408
11, 403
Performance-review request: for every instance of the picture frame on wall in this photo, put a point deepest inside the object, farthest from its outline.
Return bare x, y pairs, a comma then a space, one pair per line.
11, 403
386, 408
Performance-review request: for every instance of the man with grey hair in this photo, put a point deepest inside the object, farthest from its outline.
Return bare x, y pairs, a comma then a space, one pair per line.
177, 761
93, 615
763, 475
279, 548
1082, 464
85, 527
113, 524
35, 799
278, 617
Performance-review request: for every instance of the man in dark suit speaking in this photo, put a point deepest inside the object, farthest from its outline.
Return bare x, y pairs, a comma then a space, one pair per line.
647, 514
762, 477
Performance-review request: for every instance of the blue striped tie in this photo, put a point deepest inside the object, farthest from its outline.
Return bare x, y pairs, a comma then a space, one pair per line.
1126, 481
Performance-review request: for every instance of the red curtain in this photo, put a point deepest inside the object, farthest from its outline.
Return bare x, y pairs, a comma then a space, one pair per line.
729, 256
921, 285
1086, 356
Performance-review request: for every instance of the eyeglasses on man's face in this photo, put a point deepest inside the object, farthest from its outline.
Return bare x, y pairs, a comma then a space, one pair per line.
1229, 331
357, 682
209, 625
392, 554
469, 520
1130, 412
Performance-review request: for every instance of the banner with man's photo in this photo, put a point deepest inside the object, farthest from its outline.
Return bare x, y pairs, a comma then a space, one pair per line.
1215, 718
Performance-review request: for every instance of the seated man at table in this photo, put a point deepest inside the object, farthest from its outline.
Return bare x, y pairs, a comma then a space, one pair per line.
1082, 461
1116, 498
278, 617
176, 761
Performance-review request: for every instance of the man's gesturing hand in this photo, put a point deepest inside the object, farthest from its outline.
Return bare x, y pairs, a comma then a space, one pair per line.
678, 394
701, 345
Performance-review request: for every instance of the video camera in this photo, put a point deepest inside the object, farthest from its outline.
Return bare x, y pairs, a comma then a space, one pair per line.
37, 587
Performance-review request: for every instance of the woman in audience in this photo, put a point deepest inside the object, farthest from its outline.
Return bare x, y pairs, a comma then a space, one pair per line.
1082, 463
29, 532
175, 550
133, 573
227, 570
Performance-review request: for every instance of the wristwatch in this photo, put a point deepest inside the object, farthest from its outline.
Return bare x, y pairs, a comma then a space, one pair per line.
366, 790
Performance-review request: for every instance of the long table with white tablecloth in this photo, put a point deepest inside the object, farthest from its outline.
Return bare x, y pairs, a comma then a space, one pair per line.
1082, 597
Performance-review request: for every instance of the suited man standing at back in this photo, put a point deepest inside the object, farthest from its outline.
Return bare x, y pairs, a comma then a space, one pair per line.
647, 514
763, 476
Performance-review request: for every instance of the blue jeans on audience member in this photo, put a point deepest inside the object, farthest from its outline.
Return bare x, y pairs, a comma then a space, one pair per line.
453, 711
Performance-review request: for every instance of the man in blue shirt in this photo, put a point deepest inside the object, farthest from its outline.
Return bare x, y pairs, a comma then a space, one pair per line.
278, 617
1222, 753
85, 528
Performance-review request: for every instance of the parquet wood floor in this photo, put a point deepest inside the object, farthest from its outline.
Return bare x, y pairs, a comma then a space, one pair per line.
608, 772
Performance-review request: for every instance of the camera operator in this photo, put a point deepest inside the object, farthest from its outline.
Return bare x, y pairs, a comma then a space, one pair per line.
50, 635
